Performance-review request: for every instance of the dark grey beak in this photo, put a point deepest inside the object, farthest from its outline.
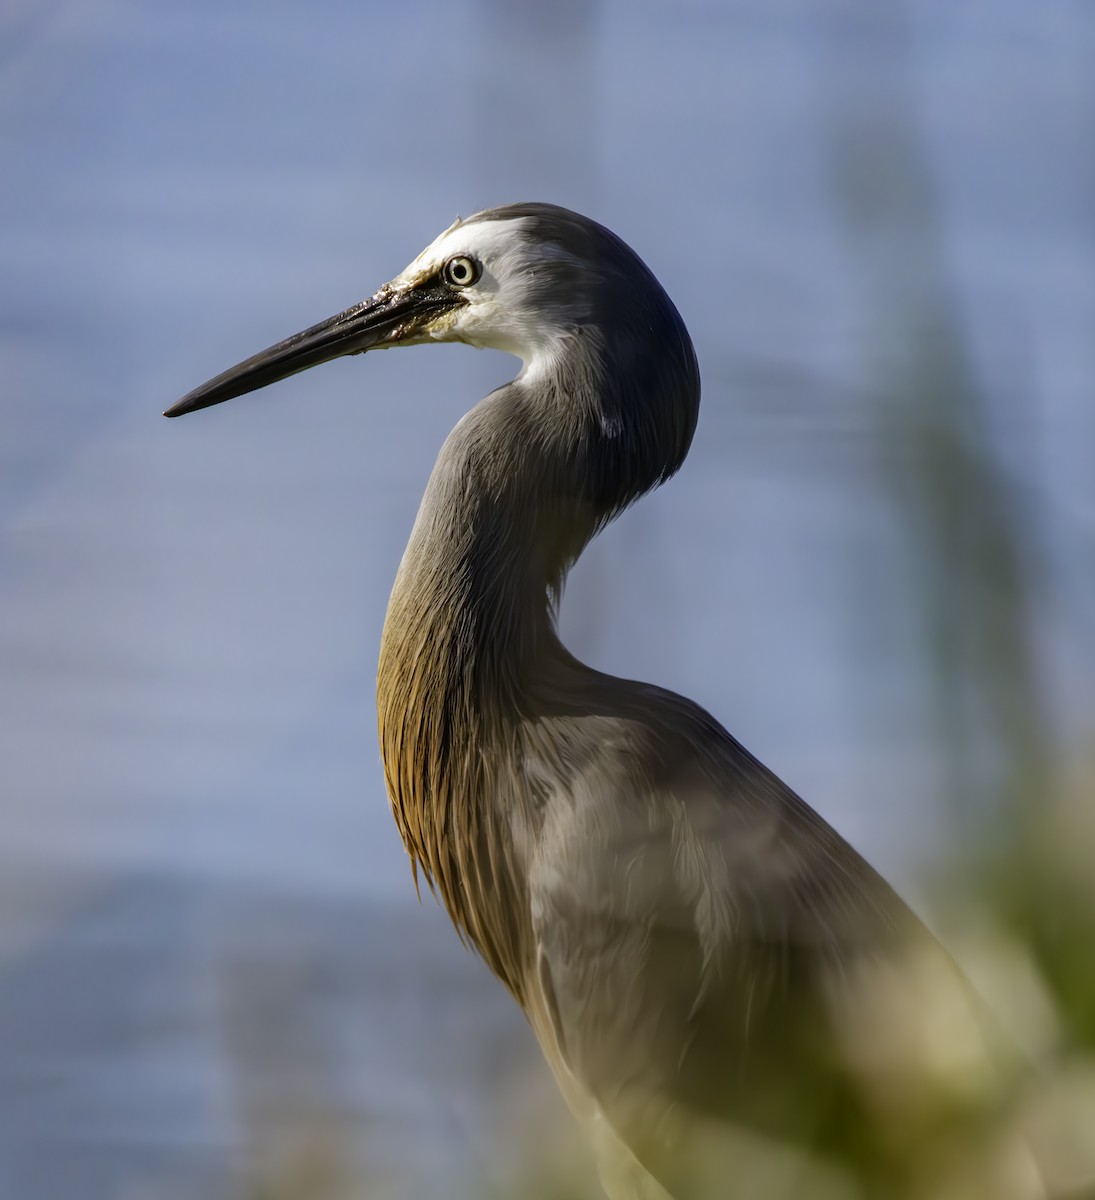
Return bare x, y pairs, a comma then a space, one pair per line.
392, 316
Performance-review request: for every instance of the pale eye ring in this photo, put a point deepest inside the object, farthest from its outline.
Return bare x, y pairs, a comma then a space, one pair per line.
462, 271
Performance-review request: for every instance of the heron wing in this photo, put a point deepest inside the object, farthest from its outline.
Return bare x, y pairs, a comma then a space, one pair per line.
708, 949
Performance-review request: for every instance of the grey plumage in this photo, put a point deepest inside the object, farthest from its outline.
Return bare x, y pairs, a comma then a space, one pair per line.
695, 948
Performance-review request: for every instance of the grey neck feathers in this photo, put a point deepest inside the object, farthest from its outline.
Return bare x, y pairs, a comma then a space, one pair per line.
469, 644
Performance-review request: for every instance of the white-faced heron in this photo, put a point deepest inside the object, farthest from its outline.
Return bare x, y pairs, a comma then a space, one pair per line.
728, 995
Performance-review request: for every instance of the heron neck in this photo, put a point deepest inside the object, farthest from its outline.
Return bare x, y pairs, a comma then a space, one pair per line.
469, 637
495, 534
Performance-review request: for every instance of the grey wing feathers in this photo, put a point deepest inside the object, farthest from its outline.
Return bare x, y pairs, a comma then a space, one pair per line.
700, 936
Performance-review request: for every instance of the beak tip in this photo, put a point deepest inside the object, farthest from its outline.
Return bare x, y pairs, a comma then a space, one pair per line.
372, 324
189, 404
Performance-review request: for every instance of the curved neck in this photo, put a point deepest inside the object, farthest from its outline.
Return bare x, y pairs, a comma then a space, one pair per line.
496, 532
468, 640
469, 653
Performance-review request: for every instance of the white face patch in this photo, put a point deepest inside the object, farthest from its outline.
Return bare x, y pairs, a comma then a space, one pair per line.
504, 309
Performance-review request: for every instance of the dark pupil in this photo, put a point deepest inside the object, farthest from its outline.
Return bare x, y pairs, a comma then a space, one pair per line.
460, 271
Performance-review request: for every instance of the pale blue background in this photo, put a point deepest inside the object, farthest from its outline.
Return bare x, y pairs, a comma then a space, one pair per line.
190, 790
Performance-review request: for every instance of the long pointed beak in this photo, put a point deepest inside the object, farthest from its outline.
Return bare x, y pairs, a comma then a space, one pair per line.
393, 316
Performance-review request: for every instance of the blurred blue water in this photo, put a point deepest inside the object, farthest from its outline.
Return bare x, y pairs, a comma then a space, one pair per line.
189, 612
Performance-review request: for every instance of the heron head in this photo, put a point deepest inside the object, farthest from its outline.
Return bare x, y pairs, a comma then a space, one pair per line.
523, 278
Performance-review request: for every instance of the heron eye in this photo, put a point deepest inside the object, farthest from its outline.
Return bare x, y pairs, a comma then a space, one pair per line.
462, 272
